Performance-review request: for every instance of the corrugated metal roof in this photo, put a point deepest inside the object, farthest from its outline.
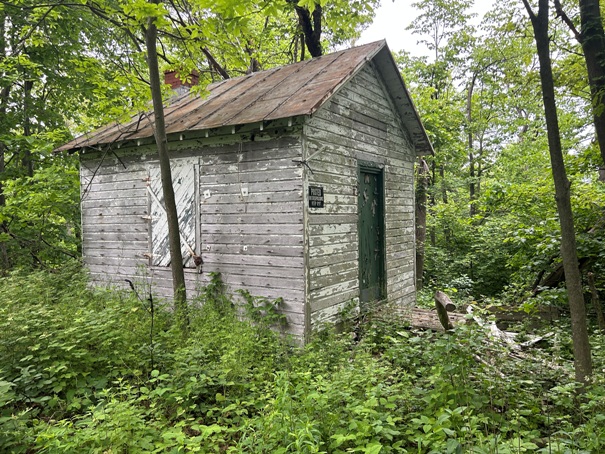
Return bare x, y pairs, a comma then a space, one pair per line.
287, 91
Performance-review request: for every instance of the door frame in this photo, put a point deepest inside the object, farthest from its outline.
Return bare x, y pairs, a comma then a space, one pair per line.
375, 169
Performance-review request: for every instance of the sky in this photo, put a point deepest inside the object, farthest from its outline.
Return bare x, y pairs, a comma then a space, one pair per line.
391, 21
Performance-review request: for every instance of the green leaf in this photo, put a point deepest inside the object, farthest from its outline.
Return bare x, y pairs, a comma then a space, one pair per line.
373, 448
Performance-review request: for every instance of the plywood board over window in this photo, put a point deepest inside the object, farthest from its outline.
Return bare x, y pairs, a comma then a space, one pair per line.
185, 177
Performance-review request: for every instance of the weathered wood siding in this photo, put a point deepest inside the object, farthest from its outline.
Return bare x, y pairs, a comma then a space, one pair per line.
250, 223
357, 124
251, 220
115, 215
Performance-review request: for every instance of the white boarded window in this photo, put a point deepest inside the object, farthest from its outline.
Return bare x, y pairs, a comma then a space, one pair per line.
184, 182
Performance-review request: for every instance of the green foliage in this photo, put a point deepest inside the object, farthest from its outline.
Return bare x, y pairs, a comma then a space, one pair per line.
492, 224
76, 376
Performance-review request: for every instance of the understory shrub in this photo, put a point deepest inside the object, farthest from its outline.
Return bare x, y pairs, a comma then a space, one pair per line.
84, 370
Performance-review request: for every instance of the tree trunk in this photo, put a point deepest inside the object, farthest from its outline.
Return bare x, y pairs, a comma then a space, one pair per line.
471, 156
581, 344
4, 258
4, 94
26, 159
421, 190
592, 38
433, 233
310, 24
176, 257
596, 302
593, 45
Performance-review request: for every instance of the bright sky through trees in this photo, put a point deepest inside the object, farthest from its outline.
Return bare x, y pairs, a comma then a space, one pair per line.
392, 19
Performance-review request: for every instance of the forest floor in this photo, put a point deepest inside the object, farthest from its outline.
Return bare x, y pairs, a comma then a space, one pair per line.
89, 370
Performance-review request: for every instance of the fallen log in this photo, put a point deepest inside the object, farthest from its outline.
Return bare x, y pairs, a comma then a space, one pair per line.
428, 319
444, 304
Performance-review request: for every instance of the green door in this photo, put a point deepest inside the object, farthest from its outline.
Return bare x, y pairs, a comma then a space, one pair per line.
371, 234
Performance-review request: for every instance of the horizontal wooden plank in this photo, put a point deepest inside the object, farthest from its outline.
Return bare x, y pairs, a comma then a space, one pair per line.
118, 175
295, 228
255, 197
316, 262
117, 262
405, 284
325, 240
251, 218
331, 249
293, 173
223, 156
269, 251
332, 229
355, 121
113, 202
114, 229
140, 210
315, 219
334, 269
342, 141
364, 101
334, 209
343, 115
337, 288
118, 186
252, 239
368, 79
107, 167
139, 194
401, 246
253, 270
219, 188
407, 253
99, 244
114, 220
319, 304
321, 177
253, 260
92, 235
340, 196
399, 273
272, 163
329, 280
259, 207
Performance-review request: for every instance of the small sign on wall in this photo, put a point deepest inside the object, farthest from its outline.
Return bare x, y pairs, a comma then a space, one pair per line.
316, 197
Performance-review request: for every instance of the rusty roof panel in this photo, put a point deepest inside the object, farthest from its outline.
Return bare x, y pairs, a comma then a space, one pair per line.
250, 115
293, 90
308, 98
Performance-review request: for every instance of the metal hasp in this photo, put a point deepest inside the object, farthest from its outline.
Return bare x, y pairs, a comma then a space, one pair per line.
371, 234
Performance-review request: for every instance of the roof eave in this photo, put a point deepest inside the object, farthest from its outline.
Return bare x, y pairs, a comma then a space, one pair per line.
392, 77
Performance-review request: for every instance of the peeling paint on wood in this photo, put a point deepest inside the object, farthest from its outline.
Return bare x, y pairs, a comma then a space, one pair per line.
243, 197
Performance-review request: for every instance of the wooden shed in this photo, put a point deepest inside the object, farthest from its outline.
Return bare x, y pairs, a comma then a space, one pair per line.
295, 182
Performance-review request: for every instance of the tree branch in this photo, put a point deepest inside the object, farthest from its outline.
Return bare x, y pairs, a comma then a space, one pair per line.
565, 18
310, 26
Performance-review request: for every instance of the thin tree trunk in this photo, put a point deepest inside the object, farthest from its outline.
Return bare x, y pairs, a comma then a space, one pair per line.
593, 44
176, 257
4, 258
421, 190
26, 160
447, 232
471, 157
581, 344
4, 94
432, 201
592, 38
596, 302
